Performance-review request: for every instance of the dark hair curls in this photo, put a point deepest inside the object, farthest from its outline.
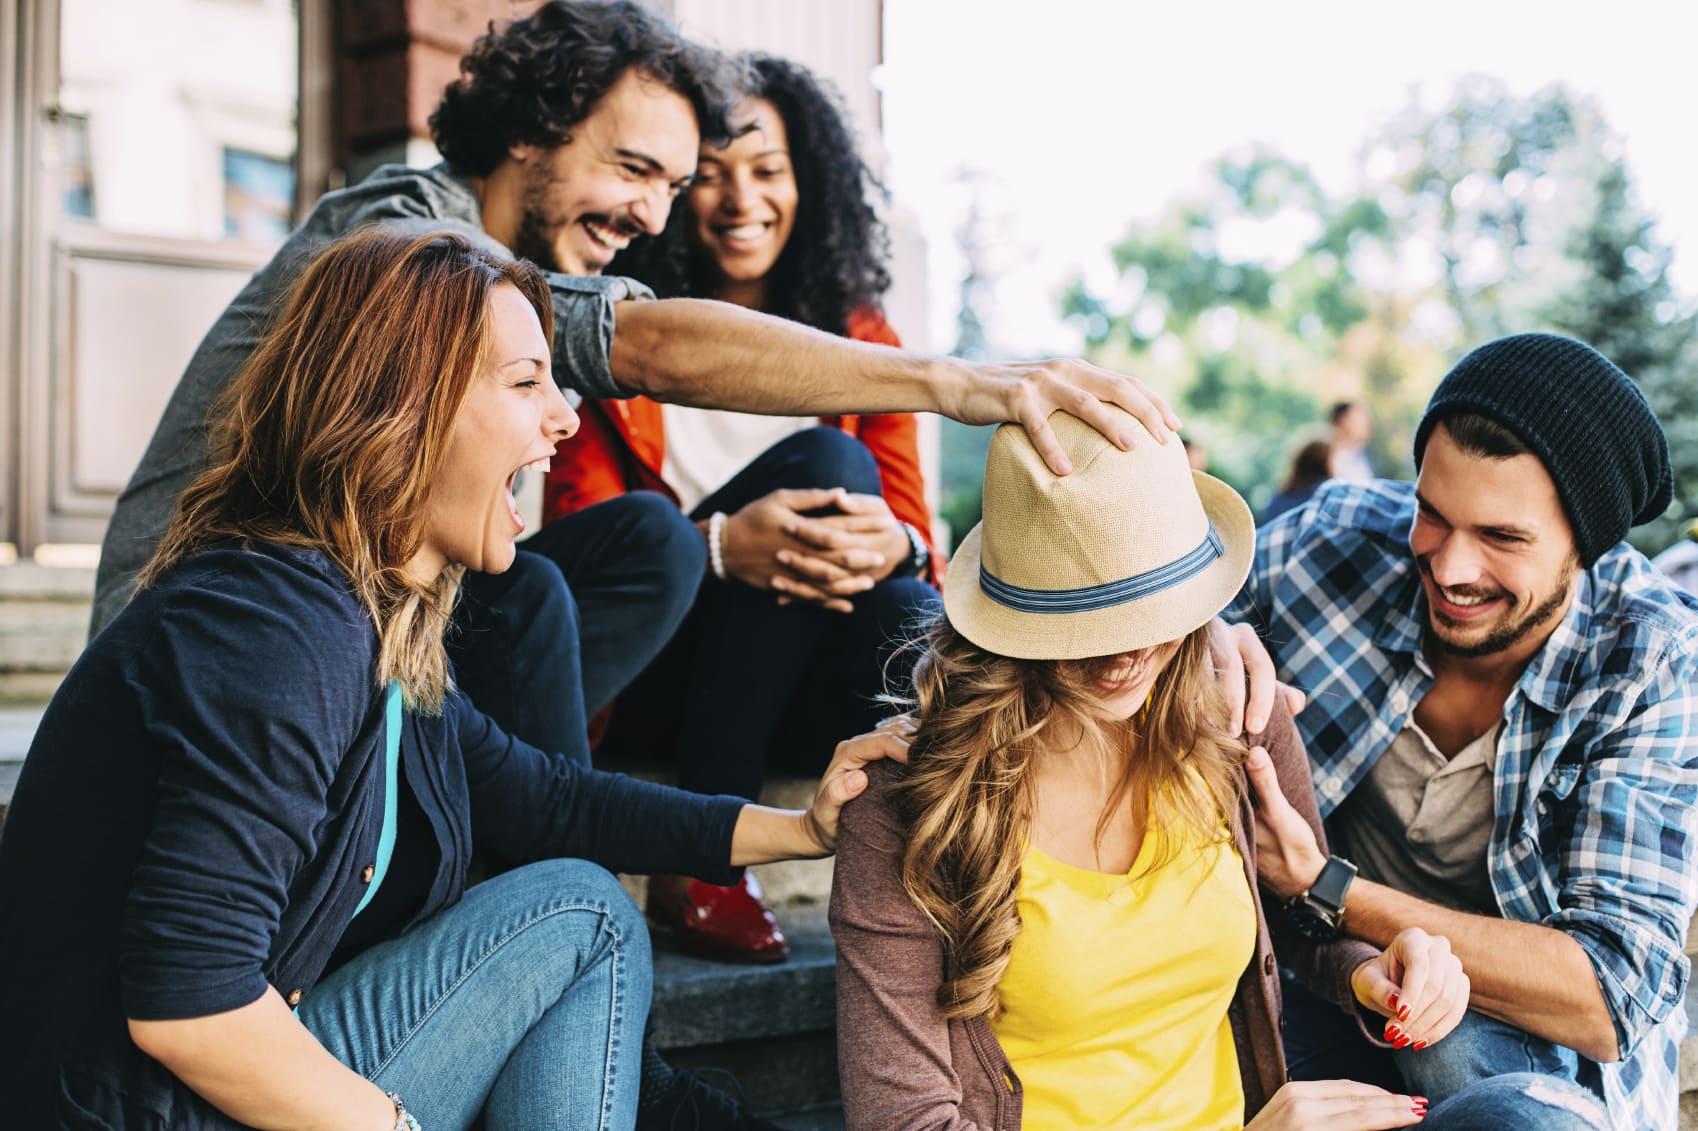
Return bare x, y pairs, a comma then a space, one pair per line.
535, 79
836, 259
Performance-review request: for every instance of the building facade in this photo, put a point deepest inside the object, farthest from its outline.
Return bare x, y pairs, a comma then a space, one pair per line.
153, 155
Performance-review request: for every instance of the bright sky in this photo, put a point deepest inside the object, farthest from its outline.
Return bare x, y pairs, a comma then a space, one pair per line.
1094, 113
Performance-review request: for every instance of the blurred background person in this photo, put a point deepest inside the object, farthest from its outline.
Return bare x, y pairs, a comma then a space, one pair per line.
818, 531
1310, 467
1352, 431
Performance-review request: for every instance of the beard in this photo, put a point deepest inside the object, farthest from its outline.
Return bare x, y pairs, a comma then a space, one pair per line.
535, 238
1513, 629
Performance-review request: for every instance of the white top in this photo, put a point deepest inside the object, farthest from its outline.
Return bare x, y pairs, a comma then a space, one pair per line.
705, 447
1352, 464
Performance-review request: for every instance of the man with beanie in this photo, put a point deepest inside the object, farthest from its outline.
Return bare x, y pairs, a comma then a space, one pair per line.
1503, 728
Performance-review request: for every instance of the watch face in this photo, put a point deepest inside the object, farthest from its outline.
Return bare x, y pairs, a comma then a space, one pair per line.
1312, 926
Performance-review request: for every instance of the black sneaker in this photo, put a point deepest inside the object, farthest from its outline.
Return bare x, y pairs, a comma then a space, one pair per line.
690, 1103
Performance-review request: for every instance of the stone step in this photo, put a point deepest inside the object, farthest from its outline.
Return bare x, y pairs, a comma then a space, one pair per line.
773, 1027
44, 613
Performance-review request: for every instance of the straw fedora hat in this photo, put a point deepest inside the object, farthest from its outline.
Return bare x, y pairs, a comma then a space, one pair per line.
1131, 550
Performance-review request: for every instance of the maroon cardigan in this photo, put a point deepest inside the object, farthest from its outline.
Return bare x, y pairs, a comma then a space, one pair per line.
905, 1067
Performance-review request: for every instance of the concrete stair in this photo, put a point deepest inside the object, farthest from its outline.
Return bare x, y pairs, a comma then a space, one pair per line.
44, 614
773, 1028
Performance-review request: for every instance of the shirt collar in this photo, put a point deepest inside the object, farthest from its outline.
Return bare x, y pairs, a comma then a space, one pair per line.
1567, 660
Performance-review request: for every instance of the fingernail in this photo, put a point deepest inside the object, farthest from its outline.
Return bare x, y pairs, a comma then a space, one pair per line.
1420, 1044
1420, 1101
1126, 440
1400, 1042
1393, 1032
1392, 1001
1403, 1013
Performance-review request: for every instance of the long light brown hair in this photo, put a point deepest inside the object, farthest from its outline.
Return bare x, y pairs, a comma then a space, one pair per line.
332, 432
967, 801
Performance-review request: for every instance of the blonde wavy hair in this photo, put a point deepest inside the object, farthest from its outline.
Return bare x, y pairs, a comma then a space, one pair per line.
967, 799
332, 432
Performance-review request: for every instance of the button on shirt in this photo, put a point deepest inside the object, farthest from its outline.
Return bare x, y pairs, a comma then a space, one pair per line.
1597, 764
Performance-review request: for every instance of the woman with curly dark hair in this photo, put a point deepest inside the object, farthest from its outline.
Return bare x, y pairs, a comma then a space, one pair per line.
817, 528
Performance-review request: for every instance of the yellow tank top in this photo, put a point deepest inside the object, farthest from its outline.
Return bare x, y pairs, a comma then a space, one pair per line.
1116, 993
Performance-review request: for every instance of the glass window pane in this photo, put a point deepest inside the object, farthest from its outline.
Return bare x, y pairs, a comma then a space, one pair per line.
179, 116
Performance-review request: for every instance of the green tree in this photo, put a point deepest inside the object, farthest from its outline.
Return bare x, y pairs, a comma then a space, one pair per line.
1493, 214
1624, 304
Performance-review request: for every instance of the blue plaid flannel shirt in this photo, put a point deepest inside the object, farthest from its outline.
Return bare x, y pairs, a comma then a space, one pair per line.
1597, 770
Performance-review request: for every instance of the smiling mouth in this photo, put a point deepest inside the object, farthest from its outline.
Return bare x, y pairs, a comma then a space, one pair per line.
1455, 606
743, 233
1124, 676
610, 236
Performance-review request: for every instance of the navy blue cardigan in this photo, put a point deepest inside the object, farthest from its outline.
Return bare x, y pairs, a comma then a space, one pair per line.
200, 800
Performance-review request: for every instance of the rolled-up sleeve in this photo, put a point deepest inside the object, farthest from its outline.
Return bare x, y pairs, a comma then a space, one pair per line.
1627, 887
243, 696
583, 331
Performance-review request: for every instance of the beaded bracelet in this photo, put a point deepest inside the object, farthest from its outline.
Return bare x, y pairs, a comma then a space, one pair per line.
716, 544
404, 1120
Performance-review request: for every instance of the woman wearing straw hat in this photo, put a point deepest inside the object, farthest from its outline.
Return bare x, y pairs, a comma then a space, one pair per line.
1049, 919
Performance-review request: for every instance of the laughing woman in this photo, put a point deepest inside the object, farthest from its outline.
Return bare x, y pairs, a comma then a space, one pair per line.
817, 528
1050, 919
233, 880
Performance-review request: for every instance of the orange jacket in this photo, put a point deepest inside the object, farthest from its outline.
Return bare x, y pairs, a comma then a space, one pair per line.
621, 446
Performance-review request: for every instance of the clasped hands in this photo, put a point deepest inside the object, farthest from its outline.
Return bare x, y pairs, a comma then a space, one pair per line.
782, 542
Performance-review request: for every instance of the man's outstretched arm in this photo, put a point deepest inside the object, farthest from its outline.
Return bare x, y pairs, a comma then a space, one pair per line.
715, 355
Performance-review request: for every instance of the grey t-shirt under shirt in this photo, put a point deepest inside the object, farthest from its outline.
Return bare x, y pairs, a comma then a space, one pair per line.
423, 200
1421, 823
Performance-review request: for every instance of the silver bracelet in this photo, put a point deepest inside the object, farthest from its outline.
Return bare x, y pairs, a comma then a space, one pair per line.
404, 1120
716, 544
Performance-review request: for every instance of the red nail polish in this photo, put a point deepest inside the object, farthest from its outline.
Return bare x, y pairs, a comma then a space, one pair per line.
1392, 1001
1401, 1042
1420, 1044
1403, 1013
1392, 1032
1420, 1100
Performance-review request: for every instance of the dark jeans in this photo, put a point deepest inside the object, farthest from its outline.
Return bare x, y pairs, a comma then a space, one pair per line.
589, 601
748, 683
1486, 1075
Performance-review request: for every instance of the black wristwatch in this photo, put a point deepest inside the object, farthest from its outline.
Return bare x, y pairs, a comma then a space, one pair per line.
1318, 912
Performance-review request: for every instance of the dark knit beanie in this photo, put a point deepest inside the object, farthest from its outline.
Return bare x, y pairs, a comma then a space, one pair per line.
1584, 418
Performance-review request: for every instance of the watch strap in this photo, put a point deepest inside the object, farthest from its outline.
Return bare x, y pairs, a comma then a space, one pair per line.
1329, 887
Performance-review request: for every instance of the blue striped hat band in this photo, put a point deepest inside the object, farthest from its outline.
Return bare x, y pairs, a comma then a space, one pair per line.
1108, 594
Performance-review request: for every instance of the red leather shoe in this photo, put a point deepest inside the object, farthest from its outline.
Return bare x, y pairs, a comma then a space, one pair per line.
727, 923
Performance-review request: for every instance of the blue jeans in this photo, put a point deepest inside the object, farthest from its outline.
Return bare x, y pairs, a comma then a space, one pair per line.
1486, 1075
589, 601
746, 681
524, 1003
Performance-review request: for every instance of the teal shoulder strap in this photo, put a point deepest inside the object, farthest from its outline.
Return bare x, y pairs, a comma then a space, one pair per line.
391, 791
